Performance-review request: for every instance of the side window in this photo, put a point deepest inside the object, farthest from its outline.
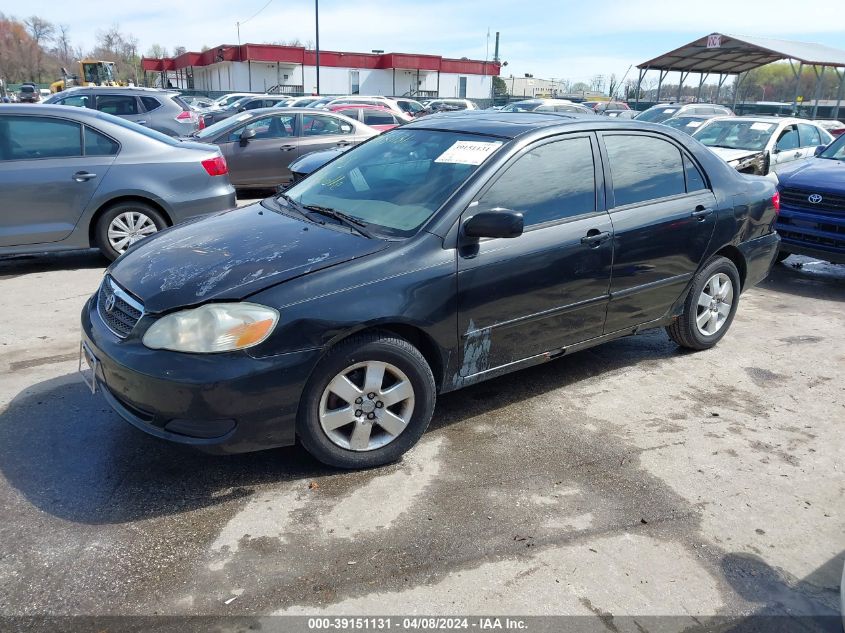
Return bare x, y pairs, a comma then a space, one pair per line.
150, 103
279, 126
118, 105
352, 113
97, 144
810, 136
695, 181
254, 104
375, 117
80, 101
788, 139
320, 125
551, 182
643, 168
23, 137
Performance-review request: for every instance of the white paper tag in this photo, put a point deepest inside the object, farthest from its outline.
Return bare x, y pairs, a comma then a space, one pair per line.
694, 123
468, 152
358, 181
763, 127
668, 110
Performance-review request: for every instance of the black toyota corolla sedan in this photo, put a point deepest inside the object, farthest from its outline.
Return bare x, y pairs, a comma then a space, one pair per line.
437, 255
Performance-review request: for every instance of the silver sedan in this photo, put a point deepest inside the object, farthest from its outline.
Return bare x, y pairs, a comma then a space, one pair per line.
77, 178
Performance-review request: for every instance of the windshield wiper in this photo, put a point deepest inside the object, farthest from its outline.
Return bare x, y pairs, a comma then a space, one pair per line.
351, 221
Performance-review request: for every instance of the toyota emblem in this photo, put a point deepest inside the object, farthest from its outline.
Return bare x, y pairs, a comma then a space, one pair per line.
815, 198
110, 303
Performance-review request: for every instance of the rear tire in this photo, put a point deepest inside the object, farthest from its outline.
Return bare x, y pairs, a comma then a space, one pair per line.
124, 224
367, 402
782, 255
710, 306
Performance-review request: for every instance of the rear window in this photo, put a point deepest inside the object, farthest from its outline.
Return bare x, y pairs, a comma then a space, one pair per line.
657, 114
181, 102
644, 168
27, 89
97, 144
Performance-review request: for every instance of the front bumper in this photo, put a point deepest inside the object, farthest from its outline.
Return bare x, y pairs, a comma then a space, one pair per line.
759, 254
819, 234
221, 403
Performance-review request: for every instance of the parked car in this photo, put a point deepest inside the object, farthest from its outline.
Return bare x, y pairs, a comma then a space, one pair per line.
198, 103
259, 145
760, 145
600, 106
662, 111
435, 256
688, 123
296, 102
449, 105
384, 102
161, 110
812, 215
547, 105
620, 114
90, 179
29, 94
836, 128
228, 99
411, 107
377, 117
244, 104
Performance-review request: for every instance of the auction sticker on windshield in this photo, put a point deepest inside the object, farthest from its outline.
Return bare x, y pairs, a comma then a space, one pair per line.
468, 152
763, 127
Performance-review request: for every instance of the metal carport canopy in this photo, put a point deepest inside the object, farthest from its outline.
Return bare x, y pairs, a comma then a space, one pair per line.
727, 55
733, 54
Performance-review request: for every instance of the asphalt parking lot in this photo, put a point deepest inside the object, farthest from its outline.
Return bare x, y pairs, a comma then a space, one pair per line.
630, 479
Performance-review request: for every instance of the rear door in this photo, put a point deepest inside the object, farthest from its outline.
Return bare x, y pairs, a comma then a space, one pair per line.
810, 139
265, 159
322, 131
46, 180
663, 214
547, 288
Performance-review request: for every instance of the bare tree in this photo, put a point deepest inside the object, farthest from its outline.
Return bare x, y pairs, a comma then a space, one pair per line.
179, 50
41, 31
63, 50
156, 51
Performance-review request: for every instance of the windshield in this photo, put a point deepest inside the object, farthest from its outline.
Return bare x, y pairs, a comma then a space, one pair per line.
836, 150
214, 129
227, 99
736, 134
657, 114
234, 105
396, 181
686, 124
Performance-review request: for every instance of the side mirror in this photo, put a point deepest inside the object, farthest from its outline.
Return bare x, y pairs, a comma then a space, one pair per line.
819, 150
494, 223
776, 150
247, 134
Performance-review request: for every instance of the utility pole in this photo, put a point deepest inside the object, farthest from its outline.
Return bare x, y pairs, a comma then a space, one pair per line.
317, 24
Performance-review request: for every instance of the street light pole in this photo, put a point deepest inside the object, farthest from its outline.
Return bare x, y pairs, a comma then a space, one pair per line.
317, 25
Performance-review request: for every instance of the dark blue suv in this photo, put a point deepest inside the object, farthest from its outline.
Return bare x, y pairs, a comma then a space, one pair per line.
812, 211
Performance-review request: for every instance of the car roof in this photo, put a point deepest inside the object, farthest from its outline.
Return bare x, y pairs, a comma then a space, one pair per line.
48, 109
334, 107
495, 122
141, 89
764, 119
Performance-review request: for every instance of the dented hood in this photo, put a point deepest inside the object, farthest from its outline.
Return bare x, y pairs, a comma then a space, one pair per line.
230, 256
729, 155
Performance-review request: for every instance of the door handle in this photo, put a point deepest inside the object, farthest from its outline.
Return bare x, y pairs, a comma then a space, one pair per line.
287, 148
141, 122
82, 176
594, 238
701, 213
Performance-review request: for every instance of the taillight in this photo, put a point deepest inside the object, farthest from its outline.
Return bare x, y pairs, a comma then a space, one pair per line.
216, 166
776, 201
200, 122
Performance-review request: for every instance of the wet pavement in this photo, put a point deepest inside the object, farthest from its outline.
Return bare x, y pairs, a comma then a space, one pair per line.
630, 479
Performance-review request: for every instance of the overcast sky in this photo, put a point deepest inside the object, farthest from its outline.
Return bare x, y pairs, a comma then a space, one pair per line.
549, 38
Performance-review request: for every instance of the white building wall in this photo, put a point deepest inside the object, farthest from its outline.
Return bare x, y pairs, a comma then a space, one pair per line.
235, 77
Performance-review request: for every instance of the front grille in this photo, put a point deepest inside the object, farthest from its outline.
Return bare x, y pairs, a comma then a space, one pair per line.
799, 198
117, 309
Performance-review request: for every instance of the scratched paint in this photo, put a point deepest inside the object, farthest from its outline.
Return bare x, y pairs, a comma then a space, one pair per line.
476, 356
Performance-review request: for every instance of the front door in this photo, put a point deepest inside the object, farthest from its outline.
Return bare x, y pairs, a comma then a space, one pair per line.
263, 160
663, 215
45, 180
787, 148
547, 288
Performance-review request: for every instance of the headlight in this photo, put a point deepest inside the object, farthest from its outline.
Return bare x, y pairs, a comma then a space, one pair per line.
214, 327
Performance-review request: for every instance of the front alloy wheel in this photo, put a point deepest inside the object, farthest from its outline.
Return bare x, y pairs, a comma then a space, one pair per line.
367, 406
367, 401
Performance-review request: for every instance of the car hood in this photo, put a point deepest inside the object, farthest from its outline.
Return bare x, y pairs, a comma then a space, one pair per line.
231, 255
816, 173
728, 155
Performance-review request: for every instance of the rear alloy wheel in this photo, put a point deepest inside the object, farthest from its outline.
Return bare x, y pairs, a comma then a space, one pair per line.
367, 402
124, 224
709, 307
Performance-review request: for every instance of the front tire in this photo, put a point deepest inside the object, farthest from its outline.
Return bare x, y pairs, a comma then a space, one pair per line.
124, 224
710, 306
368, 401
